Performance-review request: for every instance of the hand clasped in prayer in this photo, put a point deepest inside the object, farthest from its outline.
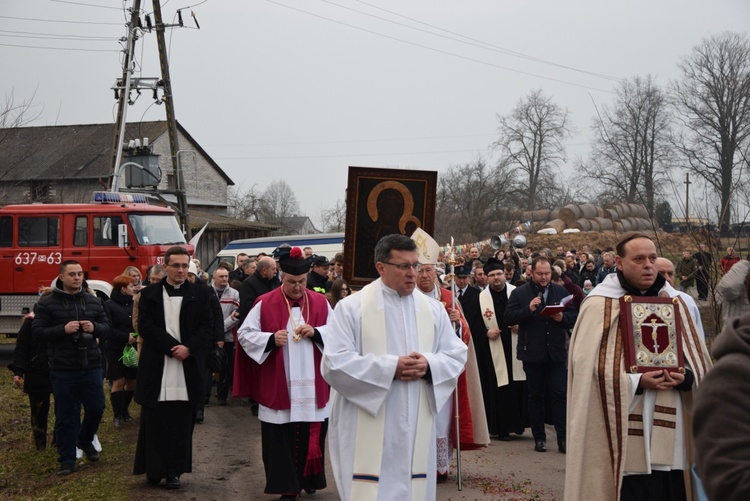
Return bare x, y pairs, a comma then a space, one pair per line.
412, 367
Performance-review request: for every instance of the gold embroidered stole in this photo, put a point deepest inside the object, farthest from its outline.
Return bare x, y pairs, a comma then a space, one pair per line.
371, 429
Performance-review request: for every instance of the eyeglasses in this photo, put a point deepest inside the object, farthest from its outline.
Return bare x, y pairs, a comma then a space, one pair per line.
344, 289
177, 266
404, 266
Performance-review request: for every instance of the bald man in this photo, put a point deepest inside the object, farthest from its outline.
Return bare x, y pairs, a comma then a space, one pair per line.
665, 267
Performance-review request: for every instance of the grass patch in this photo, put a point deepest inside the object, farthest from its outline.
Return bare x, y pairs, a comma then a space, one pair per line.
26, 473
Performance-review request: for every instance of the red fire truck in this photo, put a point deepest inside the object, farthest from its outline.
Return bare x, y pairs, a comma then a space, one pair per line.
117, 230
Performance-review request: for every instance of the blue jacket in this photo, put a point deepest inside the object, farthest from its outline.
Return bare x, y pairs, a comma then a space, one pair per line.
540, 339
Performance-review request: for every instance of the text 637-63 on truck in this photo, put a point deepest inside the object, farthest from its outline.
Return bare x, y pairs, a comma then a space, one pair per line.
117, 230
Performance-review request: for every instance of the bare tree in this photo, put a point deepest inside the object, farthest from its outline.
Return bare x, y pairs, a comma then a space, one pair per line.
278, 202
333, 219
245, 203
531, 141
712, 102
631, 149
470, 199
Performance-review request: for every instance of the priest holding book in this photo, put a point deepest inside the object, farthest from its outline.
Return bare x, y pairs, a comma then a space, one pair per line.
634, 363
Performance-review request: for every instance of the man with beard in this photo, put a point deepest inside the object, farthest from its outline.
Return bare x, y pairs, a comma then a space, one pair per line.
283, 335
472, 422
542, 347
629, 433
502, 375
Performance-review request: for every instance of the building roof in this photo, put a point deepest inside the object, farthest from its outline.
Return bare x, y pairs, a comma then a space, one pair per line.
73, 151
219, 222
296, 224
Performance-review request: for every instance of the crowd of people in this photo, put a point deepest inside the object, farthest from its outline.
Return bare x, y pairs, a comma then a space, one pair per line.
512, 338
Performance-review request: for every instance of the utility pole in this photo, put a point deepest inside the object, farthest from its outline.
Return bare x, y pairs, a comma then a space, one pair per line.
687, 199
171, 121
124, 90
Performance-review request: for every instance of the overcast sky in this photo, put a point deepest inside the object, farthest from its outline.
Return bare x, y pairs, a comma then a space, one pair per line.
299, 90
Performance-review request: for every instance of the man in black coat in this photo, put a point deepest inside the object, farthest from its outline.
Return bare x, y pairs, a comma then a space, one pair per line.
176, 324
465, 293
263, 280
541, 347
70, 321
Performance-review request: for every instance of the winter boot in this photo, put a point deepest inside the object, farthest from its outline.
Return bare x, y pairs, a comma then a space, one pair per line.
126, 399
116, 397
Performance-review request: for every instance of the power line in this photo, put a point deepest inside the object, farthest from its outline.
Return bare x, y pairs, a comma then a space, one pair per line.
58, 21
55, 48
86, 4
295, 157
61, 37
479, 43
350, 141
438, 50
82, 37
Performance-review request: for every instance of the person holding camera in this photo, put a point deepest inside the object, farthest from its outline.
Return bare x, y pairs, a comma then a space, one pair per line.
71, 321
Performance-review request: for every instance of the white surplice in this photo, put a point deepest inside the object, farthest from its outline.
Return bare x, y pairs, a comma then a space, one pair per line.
298, 363
367, 382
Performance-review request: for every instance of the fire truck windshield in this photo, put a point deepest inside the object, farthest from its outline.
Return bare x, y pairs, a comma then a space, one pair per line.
156, 229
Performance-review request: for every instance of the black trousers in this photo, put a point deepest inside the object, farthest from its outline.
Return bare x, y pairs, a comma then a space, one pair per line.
225, 380
659, 486
701, 283
39, 403
554, 377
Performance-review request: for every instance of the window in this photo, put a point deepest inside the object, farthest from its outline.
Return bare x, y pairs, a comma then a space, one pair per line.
38, 231
6, 231
81, 237
105, 230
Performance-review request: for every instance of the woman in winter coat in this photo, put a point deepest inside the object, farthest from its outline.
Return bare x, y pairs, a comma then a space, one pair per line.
120, 314
31, 371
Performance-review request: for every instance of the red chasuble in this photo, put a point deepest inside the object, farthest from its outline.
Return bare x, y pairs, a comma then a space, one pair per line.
262, 382
466, 425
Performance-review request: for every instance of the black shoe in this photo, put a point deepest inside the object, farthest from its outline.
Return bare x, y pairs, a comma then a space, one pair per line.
199, 416
541, 446
66, 469
310, 491
172, 483
442, 479
153, 480
126, 417
90, 451
504, 438
561, 447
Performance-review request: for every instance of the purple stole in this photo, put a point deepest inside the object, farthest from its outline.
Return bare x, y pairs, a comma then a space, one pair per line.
253, 380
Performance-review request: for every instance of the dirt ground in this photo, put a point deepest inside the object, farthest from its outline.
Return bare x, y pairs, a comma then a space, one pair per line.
227, 465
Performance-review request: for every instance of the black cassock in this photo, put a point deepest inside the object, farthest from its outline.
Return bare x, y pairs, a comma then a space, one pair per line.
505, 406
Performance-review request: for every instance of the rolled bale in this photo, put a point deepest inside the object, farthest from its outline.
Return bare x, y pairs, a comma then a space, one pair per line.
625, 224
623, 210
617, 225
605, 224
600, 212
589, 211
554, 214
570, 213
593, 225
556, 224
581, 224
536, 215
611, 214
639, 210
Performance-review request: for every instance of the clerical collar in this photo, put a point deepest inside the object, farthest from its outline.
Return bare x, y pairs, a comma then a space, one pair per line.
391, 291
174, 290
434, 293
652, 291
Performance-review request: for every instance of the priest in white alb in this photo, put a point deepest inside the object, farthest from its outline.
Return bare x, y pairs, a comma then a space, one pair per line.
393, 360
